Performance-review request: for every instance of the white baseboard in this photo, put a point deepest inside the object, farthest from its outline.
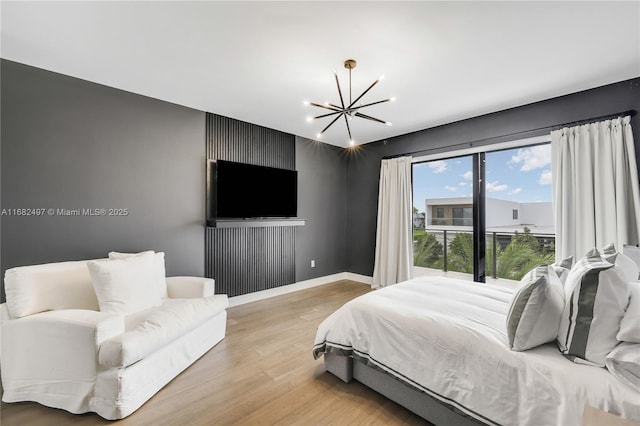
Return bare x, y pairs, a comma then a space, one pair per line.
302, 285
365, 279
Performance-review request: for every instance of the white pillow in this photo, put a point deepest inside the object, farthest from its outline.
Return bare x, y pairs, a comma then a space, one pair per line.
160, 274
535, 310
596, 298
125, 286
563, 268
627, 268
630, 324
633, 253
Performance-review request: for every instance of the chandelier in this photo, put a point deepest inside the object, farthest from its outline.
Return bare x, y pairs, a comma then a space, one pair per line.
349, 110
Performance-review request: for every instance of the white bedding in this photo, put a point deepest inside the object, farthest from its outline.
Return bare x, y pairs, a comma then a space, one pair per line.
448, 338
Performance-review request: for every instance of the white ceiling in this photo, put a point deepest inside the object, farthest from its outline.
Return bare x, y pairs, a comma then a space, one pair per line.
258, 61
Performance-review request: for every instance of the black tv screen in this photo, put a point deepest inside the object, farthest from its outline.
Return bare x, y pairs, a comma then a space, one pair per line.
239, 191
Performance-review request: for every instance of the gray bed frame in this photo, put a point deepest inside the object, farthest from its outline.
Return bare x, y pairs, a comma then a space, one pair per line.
429, 408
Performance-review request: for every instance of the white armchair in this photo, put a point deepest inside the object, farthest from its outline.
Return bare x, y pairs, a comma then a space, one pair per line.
58, 349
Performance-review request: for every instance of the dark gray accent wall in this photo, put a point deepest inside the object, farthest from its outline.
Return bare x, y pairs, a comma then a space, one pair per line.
242, 142
363, 165
322, 201
72, 144
246, 260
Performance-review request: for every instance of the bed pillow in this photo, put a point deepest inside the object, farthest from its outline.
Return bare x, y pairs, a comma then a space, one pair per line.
627, 268
125, 286
596, 297
563, 268
160, 273
633, 253
535, 310
630, 324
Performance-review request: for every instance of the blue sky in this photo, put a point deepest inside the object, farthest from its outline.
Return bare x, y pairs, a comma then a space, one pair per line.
521, 174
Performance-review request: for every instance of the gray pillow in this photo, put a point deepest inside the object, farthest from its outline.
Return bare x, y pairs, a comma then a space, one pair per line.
596, 299
535, 310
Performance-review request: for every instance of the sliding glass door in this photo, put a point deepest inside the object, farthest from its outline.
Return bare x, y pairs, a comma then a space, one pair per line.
484, 216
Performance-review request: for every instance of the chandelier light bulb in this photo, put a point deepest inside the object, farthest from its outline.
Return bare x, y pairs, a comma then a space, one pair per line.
381, 77
319, 135
306, 103
393, 99
388, 123
351, 142
309, 119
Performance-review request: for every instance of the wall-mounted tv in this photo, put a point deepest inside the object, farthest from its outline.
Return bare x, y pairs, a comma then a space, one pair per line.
244, 191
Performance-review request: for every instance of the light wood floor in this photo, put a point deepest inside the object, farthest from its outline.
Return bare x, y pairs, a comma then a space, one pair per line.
261, 373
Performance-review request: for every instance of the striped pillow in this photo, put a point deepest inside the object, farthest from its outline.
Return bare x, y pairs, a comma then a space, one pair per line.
535, 310
595, 301
563, 268
627, 268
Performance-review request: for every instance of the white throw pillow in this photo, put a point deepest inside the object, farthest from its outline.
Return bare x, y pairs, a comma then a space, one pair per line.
596, 297
563, 268
160, 274
630, 324
633, 253
535, 310
125, 286
627, 268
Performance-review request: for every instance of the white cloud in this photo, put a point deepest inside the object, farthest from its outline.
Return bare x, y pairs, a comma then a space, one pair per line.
515, 191
463, 184
545, 178
450, 188
535, 157
468, 175
438, 166
495, 187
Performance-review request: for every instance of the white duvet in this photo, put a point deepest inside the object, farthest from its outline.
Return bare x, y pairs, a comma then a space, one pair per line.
448, 338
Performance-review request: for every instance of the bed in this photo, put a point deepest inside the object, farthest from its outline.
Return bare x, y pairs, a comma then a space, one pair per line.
439, 347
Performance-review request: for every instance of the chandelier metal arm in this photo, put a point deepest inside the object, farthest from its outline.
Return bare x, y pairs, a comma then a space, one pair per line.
367, 105
330, 124
327, 115
337, 109
368, 117
363, 93
339, 90
346, 120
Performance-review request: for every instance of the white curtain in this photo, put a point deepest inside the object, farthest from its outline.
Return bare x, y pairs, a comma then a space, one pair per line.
595, 187
394, 250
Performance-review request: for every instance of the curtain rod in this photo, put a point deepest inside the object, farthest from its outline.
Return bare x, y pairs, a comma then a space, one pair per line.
630, 113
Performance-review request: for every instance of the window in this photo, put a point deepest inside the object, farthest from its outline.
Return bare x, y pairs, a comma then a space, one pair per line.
463, 216
476, 234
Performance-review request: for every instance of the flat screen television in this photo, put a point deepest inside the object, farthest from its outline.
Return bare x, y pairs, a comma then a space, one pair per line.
247, 191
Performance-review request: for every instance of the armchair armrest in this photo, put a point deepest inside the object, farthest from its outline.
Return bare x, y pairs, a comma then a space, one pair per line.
190, 287
54, 348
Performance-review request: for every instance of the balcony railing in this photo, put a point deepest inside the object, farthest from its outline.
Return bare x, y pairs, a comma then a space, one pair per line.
508, 255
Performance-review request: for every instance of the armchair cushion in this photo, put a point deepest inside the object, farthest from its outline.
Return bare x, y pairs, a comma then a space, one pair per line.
125, 285
39, 288
150, 330
190, 287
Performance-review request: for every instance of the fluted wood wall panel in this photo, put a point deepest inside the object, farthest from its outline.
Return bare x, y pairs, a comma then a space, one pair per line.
234, 140
245, 260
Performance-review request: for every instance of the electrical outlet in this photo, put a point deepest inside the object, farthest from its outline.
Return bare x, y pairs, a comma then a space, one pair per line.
313, 263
